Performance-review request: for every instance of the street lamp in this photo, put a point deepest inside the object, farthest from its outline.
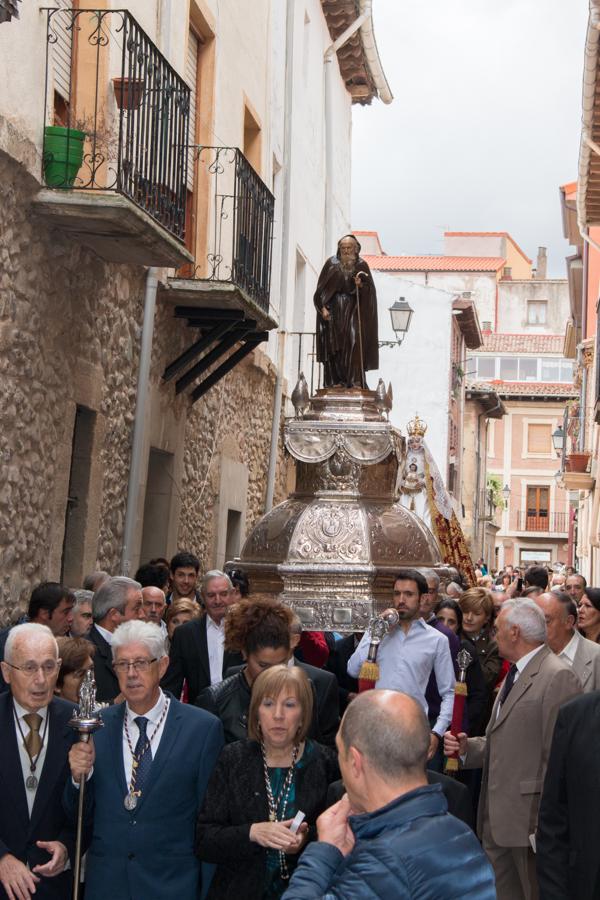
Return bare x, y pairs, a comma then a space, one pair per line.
401, 314
558, 439
505, 494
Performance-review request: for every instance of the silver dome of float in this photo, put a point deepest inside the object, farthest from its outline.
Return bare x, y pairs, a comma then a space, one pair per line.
330, 551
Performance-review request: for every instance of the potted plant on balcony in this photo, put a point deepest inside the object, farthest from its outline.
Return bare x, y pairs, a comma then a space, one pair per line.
577, 462
63, 155
128, 92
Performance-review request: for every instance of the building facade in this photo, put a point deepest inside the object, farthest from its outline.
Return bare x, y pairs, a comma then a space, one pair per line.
516, 381
427, 371
581, 227
145, 283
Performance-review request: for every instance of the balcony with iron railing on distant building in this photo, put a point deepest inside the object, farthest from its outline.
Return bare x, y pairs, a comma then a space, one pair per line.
541, 521
115, 148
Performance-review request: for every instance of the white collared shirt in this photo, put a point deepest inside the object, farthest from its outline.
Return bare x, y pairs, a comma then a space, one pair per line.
215, 638
153, 733
407, 659
526, 659
567, 654
107, 635
520, 666
23, 755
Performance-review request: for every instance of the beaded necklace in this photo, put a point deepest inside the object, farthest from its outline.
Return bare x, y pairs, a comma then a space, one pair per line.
278, 806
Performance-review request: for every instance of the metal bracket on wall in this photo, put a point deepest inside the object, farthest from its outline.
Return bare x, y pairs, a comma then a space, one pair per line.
220, 330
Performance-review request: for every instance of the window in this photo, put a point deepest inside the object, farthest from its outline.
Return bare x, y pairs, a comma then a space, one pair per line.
539, 438
528, 369
566, 370
537, 507
509, 368
486, 367
521, 368
252, 140
536, 312
551, 370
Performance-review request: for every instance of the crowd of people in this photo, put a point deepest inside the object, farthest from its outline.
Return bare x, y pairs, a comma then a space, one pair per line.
238, 757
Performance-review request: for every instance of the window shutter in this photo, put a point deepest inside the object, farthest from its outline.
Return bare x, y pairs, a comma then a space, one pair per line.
539, 438
62, 49
191, 76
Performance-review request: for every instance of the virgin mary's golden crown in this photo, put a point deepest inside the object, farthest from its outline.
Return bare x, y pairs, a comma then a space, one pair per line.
416, 426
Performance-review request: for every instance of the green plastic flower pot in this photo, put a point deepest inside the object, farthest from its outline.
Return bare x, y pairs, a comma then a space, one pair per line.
63, 155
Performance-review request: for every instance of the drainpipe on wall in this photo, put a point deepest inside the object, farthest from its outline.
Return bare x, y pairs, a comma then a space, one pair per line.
285, 251
139, 422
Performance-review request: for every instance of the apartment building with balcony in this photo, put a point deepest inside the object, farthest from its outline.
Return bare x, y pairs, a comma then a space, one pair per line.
533, 381
580, 208
170, 191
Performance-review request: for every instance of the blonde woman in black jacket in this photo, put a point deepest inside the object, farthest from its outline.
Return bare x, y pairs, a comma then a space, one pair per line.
258, 788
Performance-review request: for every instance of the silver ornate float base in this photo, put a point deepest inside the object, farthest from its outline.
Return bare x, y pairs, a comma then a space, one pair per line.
332, 549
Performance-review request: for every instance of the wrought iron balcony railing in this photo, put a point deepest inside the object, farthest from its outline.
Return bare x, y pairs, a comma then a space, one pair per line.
240, 232
106, 79
541, 521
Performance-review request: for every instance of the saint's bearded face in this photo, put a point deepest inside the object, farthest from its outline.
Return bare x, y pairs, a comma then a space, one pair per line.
348, 253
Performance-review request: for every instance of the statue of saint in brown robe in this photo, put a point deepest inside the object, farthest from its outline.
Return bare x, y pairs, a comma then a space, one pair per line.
346, 341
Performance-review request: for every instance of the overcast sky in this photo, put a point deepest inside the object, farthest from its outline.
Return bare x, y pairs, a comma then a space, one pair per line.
484, 125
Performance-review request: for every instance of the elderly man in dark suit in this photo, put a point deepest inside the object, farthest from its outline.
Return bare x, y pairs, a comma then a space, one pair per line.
36, 838
151, 764
568, 833
514, 752
118, 600
560, 612
197, 654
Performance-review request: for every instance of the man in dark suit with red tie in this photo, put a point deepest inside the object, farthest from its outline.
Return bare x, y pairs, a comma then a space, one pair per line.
36, 838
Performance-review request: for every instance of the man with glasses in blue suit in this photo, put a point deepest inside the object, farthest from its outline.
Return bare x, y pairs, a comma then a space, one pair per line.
147, 772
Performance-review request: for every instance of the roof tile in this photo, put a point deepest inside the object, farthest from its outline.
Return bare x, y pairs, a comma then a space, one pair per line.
526, 388
522, 343
436, 263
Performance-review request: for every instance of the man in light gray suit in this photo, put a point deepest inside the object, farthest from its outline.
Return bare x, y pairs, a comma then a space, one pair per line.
560, 612
514, 752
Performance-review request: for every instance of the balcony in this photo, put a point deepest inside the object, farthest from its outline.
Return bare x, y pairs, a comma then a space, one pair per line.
226, 296
575, 457
540, 522
115, 149
234, 272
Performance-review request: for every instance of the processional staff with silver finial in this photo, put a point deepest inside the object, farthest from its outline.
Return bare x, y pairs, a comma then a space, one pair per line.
85, 721
378, 628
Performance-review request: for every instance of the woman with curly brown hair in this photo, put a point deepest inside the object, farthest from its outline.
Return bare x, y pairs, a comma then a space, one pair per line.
260, 631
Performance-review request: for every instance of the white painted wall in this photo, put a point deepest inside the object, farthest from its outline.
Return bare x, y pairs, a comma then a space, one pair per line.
306, 229
513, 297
420, 368
474, 245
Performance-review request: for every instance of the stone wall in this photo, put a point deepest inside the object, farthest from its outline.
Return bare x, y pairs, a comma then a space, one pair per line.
70, 328
64, 313
234, 420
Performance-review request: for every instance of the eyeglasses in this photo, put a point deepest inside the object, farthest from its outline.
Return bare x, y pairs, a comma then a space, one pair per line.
138, 665
30, 669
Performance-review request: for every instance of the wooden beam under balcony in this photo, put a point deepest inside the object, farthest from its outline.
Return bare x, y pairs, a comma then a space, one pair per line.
201, 293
